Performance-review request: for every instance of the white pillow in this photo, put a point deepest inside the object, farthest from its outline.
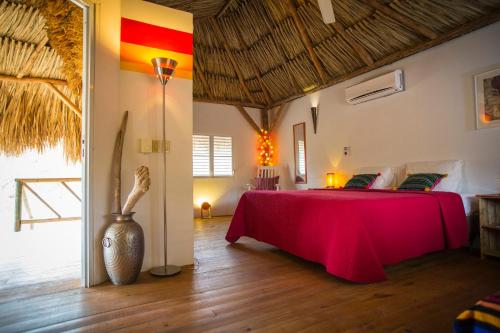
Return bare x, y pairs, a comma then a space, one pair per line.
386, 179
454, 169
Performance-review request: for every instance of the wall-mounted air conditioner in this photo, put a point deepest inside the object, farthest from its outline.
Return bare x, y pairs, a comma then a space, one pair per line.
381, 86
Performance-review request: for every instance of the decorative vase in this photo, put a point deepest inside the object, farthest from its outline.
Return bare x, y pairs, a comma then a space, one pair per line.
123, 245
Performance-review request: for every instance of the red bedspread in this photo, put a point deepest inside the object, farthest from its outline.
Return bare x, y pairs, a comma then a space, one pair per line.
354, 233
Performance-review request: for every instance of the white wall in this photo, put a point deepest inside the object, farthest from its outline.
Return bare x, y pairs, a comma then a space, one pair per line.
225, 120
432, 120
141, 96
105, 121
115, 92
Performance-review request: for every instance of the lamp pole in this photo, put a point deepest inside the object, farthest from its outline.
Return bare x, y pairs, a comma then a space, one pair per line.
164, 70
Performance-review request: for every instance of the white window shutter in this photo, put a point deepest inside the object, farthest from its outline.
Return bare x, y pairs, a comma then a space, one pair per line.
201, 155
222, 156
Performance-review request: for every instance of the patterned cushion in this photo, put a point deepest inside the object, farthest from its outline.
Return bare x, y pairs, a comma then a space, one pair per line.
362, 181
482, 317
421, 181
266, 184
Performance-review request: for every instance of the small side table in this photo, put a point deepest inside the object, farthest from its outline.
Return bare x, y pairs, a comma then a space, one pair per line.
489, 222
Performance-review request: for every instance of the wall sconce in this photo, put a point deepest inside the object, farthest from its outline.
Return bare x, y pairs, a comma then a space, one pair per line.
206, 210
330, 180
314, 114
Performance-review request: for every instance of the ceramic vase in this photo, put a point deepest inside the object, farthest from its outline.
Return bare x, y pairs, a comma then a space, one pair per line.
123, 245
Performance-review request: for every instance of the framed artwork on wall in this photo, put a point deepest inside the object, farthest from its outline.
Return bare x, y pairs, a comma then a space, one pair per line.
487, 99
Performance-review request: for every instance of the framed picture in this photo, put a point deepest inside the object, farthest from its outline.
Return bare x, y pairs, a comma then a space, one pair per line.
488, 99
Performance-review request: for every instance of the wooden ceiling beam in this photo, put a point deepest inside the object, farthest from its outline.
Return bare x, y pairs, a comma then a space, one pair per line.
463, 29
65, 99
12, 78
203, 79
221, 37
227, 102
277, 116
360, 50
264, 118
403, 19
306, 41
223, 10
249, 119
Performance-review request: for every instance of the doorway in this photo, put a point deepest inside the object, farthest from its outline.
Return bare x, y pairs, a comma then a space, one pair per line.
46, 233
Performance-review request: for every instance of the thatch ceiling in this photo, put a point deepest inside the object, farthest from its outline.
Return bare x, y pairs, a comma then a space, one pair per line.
40, 76
265, 52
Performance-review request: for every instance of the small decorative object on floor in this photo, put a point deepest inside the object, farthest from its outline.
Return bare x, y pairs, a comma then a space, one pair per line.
123, 244
206, 208
123, 241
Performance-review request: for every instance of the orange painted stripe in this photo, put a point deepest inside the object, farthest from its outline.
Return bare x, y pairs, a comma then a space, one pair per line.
143, 55
140, 33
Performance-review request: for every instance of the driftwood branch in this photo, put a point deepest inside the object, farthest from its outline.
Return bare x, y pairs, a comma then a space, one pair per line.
141, 186
117, 165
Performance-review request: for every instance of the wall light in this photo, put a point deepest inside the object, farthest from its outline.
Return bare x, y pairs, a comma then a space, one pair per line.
330, 180
314, 114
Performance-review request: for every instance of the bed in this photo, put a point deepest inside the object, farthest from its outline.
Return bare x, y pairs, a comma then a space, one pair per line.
353, 233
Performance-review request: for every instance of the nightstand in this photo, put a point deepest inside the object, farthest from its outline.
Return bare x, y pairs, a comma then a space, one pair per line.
489, 222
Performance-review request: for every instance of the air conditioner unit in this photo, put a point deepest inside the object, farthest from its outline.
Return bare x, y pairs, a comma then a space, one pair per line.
381, 86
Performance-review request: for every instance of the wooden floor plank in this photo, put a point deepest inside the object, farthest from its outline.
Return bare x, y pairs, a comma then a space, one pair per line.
251, 286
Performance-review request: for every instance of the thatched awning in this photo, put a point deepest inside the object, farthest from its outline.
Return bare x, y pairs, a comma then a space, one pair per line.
40, 76
265, 52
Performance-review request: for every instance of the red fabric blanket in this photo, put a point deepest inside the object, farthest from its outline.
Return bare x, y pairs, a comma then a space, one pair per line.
354, 233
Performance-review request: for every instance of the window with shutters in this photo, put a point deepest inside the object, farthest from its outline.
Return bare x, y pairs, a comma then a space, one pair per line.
212, 156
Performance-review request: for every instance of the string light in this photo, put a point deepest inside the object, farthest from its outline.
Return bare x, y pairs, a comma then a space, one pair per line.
266, 147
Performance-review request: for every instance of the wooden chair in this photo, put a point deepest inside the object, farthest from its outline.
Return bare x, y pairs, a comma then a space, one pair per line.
266, 172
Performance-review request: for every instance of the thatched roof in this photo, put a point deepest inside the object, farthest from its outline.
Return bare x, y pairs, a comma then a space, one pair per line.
265, 52
40, 76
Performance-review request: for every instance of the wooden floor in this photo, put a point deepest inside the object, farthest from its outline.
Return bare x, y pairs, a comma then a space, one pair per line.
254, 287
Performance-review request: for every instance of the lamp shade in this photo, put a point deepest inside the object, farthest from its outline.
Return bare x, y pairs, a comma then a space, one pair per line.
164, 68
330, 179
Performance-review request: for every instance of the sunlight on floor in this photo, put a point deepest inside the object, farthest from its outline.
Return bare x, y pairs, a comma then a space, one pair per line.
42, 252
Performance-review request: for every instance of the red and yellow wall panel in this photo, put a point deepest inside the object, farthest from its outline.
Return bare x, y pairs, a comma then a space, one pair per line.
148, 31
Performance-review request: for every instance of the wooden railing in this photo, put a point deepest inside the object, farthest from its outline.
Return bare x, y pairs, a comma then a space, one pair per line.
23, 183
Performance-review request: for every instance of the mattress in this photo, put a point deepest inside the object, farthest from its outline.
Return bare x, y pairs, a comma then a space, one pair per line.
470, 203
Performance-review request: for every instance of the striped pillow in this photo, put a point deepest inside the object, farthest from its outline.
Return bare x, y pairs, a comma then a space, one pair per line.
421, 181
482, 317
266, 184
362, 181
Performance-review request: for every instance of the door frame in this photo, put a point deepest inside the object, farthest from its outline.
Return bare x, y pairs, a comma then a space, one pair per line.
87, 240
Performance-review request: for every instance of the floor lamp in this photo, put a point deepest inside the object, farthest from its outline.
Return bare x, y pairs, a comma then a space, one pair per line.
164, 69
